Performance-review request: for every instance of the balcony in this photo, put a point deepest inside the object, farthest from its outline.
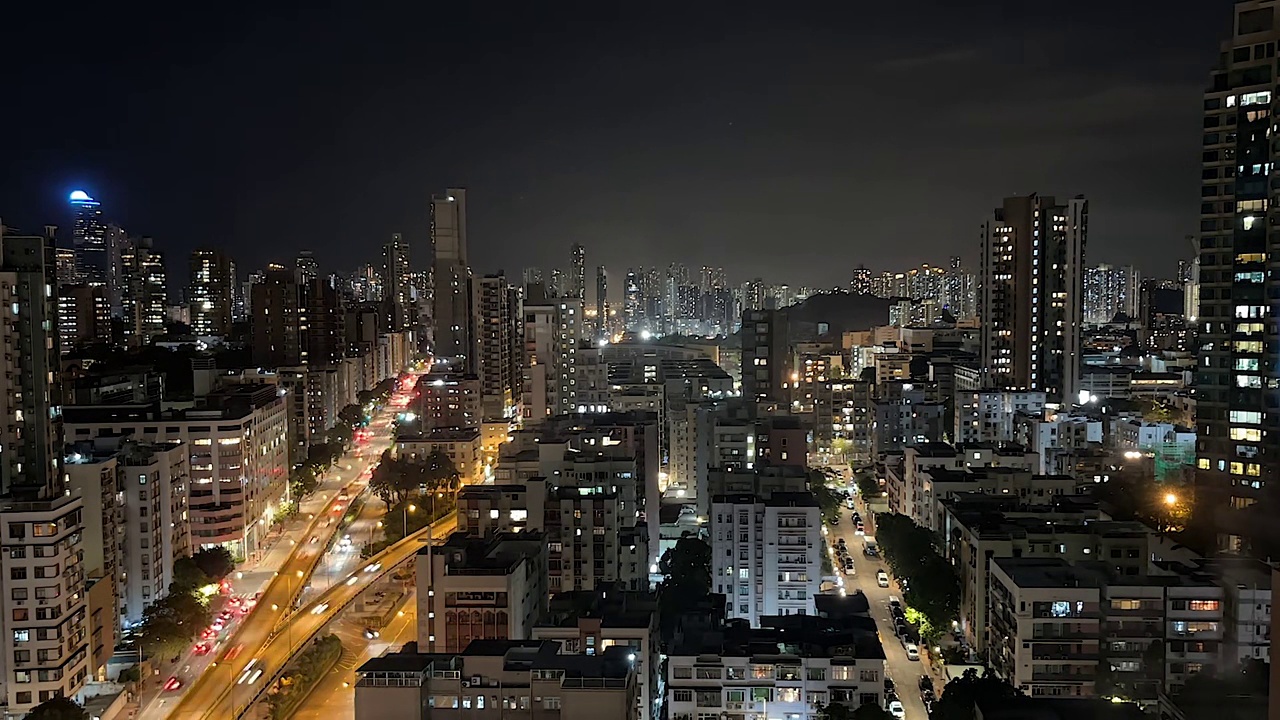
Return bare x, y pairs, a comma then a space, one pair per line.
1062, 677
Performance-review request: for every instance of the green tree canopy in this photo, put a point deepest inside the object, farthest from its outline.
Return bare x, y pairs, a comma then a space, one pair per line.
187, 576
960, 695
59, 708
215, 562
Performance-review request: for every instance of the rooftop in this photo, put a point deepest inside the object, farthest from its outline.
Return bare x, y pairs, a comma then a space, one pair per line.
1048, 572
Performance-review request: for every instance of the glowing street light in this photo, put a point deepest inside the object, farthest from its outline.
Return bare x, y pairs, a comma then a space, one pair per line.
1170, 499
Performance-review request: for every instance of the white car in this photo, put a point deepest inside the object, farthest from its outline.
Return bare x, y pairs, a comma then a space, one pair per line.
913, 652
896, 710
882, 578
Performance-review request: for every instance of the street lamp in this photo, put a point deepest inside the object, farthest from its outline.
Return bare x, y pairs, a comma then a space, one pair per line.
1170, 499
405, 528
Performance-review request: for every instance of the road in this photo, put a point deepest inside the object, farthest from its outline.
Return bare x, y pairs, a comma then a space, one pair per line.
904, 673
227, 696
333, 696
212, 676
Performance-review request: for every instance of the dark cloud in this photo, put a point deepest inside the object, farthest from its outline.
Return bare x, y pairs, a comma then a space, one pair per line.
790, 145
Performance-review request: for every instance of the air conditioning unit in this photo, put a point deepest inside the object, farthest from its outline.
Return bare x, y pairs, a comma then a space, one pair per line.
475, 680
466, 683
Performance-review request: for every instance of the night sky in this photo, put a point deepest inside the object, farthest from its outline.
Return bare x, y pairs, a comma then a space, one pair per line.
789, 146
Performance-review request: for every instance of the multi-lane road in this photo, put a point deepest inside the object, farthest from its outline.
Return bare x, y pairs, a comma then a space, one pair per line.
231, 694
214, 687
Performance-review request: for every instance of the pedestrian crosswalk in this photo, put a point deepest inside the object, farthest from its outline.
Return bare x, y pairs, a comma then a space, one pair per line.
348, 660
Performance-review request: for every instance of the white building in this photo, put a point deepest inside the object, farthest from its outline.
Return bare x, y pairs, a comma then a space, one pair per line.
989, 415
818, 666
766, 553
551, 331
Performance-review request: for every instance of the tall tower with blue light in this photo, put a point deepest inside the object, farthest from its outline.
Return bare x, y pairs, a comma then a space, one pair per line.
89, 234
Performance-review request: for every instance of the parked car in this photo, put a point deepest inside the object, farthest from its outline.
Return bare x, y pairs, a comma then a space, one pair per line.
848, 566
895, 709
888, 685
913, 651
882, 578
926, 683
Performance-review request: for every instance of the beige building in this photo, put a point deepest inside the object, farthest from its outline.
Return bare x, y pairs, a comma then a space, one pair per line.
498, 680
239, 457
1045, 621
480, 589
462, 445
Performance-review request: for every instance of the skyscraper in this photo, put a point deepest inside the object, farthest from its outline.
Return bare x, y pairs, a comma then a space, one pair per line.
396, 286
1030, 294
498, 319
274, 324
1109, 291
84, 317
602, 302
89, 235
1238, 382
631, 300
861, 282
308, 268
144, 292
211, 292
43, 652
578, 273
451, 313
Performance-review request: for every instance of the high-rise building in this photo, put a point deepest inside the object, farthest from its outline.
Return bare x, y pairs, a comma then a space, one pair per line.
861, 282
308, 268
578, 272
451, 313
44, 650
1110, 291
211, 292
631, 300
144, 292
68, 268
84, 317
1238, 381
118, 241
602, 302
1030, 297
397, 287
497, 323
552, 327
764, 356
89, 235
533, 276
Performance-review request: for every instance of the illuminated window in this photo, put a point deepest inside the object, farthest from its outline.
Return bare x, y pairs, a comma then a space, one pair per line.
1237, 468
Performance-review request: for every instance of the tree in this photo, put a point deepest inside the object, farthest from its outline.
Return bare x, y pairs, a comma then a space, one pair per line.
388, 480
59, 708
868, 486
340, 435
686, 570
959, 696
187, 576
935, 592
215, 562
440, 472
304, 481
828, 499
162, 636
352, 415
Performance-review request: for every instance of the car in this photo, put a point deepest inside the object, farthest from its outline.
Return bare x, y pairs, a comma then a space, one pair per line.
353, 580
226, 614
841, 542
320, 608
882, 578
202, 648
370, 633
913, 651
894, 602
848, 567
208, 634
926, 683
926, 697
896, 710
173, 683
859, 530
375, 567
888, 685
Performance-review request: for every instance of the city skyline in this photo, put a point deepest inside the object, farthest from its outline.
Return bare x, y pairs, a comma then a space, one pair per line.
807, 187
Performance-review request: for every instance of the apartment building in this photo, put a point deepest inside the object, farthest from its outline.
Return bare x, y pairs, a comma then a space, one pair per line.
239, 457
480, 589
780, 669
449, 400
990, 415
588, 622
1246, 585
44, 631
901, 478
1045, 625
497, 679
1060, 439
766, 552
462, 445
906, 413
940, 483
981, 530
